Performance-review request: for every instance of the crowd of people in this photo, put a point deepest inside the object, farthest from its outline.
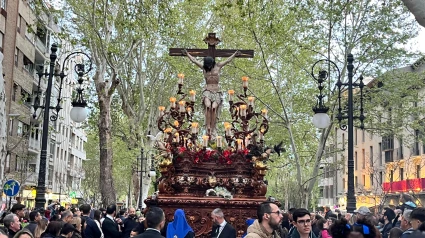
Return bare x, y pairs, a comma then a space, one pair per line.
405, 221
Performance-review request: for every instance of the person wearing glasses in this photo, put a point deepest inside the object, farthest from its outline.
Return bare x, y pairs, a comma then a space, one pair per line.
268, 223
302, 224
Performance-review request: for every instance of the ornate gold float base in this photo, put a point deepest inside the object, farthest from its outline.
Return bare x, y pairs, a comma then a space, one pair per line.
198, 211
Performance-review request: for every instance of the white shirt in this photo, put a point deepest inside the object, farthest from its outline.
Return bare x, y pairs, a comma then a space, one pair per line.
220, 229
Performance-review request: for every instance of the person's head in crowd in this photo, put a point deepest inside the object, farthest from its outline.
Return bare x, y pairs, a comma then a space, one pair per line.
395, 232
67, 230
85, 209
269, 216
103, 210
97, 215
364, 229
134, 232
54, 228
67, 216
405, 220
61, 209
417, 217
322, 224
122, 212
40, 228
12, 222
340, 229
155, 218
132, 212
302, 221
318, 217
76, 212
387, 215
327, 209
111, 210
291, 211
35, 216
24, 233
362, 212
217, 216
18, 209
76, 222
55, 218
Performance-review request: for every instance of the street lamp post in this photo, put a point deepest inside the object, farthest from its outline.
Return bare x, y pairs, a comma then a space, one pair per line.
40, 198
322, 120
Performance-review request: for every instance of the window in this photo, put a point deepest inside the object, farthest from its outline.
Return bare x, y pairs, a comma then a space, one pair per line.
355, 160
401, 174
331, 191
380, 153
16, 56
14, 91
18, 23
11, 126
28, 65
343, 184
20, 128
363, 159
380, 177
418, 171
371, 156
3, 4
343, 140
1, 40
26, 98
29, 33
355, 181
364, 179
389, 156
363, 135
371, 179
16, 163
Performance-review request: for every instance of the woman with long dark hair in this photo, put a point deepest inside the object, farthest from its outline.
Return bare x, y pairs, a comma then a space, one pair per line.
52, 230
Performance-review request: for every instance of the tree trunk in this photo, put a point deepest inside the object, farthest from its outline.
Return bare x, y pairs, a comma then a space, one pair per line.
107, 188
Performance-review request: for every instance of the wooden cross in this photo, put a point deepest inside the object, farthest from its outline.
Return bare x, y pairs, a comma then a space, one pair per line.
212, 41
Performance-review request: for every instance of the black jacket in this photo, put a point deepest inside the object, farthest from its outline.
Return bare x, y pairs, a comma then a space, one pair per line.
227, 232
150, 234
129, 224
92, 230
386, 230
110, 228
31, 226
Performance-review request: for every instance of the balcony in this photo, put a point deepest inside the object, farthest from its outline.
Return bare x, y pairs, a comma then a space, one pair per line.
416, 185
325, 182
78, 153
41, 46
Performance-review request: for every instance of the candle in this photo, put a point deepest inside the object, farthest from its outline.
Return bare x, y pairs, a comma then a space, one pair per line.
219, 140
251, 101
261, 136
177, 136
176, 123
231, 93
205, 140
181, 77
168, 130
239, 142
185, 141
173, 102
195, 128
192, 94
161, 110
245, 81
264, 112
243, 110
189, 110
227, 128
182, 107
247, 140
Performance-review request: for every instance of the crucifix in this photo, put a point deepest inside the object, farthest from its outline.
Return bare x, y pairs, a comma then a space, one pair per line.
211, 96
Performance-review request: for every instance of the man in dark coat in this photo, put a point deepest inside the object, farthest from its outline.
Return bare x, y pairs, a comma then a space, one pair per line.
34, 218
92, 230
155, 219
131, 222
221, 228
111, 226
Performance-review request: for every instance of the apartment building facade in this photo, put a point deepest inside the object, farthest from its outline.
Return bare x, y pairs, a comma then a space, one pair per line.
384, 166
25, 41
